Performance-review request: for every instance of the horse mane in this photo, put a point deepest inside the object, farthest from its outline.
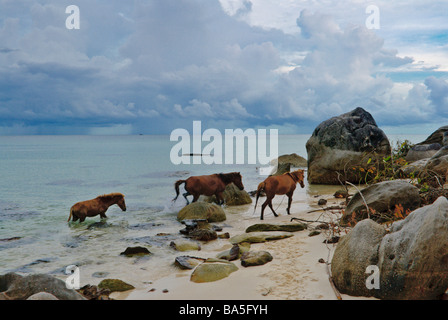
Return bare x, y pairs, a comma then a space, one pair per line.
228, 177
111, 195
293, 176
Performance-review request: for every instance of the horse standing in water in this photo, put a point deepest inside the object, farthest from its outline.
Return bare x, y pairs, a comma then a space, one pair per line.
208, 185
283, 184
93, 207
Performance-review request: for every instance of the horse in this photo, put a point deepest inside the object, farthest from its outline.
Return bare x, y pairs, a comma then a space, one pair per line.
93, 207
208, 185
283, 184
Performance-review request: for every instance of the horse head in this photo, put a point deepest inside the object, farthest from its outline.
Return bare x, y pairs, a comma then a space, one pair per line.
121, 203
238, 180
234, 177
298, 177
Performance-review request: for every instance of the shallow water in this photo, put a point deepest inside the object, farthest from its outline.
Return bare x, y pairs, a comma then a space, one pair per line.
43, 176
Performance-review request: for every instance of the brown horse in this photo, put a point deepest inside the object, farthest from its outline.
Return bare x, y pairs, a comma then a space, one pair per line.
283, 184
208, 185
93, 207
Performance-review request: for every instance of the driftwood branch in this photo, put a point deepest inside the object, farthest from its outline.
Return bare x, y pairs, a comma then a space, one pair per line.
360, 193
327, 208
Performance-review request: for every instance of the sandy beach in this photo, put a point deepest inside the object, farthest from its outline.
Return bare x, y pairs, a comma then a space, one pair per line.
295, 272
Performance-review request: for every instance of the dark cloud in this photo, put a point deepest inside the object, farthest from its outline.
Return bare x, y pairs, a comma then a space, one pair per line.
153, 66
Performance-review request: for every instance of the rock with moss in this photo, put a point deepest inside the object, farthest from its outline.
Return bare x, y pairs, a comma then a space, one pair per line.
185, 245
202, 210
212, 270
115, 285
255, 258
258, 237
289, 227
233, 196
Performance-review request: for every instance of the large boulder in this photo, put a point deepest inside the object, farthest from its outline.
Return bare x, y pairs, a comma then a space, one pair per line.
202, 210
382, 198
354, 253
16, 287
411, 259
343, 142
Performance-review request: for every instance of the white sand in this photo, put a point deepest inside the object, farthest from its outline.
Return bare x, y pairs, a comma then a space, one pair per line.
295, 273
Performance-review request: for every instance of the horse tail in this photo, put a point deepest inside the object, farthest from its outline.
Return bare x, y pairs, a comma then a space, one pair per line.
176, 187
71, 214
259, 189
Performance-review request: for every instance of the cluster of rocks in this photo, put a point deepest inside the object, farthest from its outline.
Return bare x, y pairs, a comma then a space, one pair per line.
429, 156
197, 217
411, 257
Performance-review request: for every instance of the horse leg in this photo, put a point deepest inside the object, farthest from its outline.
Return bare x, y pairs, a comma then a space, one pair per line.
270, 206
289, 203
196, 197
103, 215
219, 198
263, 206
186, 194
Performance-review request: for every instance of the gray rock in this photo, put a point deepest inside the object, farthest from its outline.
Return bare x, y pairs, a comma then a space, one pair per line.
293, 159
436, 137
423, 151
343, 142
16, 287
42, 296
412, 259
382, 197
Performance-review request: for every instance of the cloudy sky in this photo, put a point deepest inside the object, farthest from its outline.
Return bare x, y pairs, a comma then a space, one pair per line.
151, 66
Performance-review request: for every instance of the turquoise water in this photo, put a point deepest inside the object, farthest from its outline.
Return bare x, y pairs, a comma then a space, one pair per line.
43, 176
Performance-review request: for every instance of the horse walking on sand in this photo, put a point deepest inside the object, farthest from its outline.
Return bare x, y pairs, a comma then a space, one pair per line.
93, 207
283, 184
208, 185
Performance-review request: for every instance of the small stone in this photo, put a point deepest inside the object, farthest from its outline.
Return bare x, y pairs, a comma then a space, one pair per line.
322, 202
131, 251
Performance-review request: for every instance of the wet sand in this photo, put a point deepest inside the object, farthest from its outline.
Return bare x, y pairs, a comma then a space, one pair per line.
295, 273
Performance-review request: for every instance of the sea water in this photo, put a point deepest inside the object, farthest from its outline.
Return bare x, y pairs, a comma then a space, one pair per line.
41, 177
